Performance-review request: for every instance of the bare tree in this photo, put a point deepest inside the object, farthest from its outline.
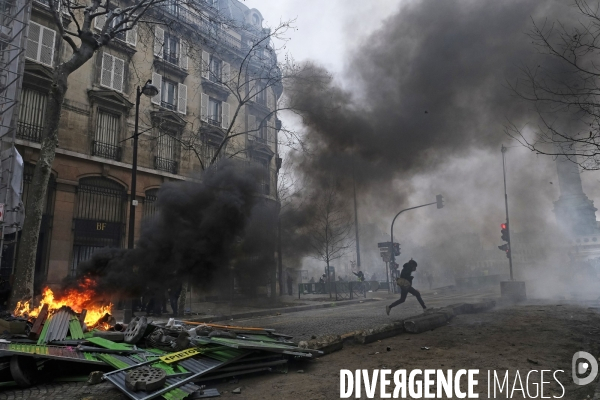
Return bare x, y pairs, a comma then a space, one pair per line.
564, 89
330, 231
83, 42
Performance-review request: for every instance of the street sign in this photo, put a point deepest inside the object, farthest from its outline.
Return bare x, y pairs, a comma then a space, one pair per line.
385, 256
383, 244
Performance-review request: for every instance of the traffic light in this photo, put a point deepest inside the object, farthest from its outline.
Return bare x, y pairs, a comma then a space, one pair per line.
504, 232
396, 249
440, 201
505, 248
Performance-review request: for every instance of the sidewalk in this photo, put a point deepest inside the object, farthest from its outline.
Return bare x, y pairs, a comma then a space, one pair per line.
203, 311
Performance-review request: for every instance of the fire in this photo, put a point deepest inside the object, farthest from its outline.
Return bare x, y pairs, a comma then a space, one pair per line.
78, 299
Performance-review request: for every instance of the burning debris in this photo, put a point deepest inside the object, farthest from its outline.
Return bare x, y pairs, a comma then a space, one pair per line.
150, 359
82, 300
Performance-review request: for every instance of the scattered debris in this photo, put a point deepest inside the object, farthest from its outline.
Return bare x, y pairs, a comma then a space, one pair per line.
237, 391
95, 377
424, 348
145, 379
532, 361
300, 371
388, 348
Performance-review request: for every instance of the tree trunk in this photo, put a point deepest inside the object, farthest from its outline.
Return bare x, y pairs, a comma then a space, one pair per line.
25, 268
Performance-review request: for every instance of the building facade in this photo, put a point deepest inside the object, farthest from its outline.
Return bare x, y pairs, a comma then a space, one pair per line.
196, 60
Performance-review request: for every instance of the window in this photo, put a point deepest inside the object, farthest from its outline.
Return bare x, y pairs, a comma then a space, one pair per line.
214, 111
106, 138
40, 44
166, 152
129, 37
261, 94
214, 69
171, 49
265, 187
113, 69
171, 95
150, 208
31, 115
258, 129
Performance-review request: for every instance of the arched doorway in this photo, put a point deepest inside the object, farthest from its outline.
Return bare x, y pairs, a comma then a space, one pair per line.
99, 217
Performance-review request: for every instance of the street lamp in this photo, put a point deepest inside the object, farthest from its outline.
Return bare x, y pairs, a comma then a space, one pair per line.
149, 90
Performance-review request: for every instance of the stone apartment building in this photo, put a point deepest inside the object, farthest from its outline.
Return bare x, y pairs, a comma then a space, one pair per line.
188, 55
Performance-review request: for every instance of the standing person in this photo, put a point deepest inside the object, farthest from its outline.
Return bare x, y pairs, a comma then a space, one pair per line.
360, 275
405, 283
290, 284
174, 293
430, 279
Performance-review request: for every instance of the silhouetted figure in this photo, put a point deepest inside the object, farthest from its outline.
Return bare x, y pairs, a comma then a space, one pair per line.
290, 285
174, 293
360, 275
405, 283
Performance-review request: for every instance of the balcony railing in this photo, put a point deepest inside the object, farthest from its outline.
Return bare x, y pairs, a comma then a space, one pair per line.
171, 58
215, 122
200, 23
162, 164
29, 132
106, 150
169, 106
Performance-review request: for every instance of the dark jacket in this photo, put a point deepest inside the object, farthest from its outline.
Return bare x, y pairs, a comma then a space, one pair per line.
406, 271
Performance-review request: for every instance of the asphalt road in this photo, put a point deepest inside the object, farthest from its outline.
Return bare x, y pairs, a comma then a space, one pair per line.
340, 320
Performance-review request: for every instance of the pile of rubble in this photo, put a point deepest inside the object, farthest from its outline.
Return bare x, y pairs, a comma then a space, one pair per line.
148, 360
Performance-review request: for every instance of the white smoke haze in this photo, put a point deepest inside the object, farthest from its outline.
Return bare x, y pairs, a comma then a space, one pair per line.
422, 111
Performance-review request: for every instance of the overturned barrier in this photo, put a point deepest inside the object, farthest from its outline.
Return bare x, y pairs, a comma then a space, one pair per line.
421, 323
426, 322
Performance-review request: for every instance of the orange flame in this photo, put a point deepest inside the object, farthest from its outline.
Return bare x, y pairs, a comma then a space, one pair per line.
78, 299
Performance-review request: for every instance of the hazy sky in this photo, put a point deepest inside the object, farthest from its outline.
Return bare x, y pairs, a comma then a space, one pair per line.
326, 29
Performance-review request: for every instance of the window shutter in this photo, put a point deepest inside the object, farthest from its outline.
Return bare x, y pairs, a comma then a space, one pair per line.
183, 54
99, 21
47, 48
225, 73
159, 40
205, 64
181, 98
251, 126
118, 73
107, 68
131, 35
270, 136
33, 41
157, 81
225, 115
203, 107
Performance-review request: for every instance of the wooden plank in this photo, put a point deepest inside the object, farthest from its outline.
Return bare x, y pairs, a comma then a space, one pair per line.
39, 323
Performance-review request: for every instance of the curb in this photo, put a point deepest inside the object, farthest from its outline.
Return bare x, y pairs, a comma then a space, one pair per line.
275, 311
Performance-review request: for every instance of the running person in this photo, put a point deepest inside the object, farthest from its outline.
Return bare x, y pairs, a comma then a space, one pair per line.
405, 283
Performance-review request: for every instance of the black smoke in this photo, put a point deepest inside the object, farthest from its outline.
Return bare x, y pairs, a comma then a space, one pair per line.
193, 238
422, 109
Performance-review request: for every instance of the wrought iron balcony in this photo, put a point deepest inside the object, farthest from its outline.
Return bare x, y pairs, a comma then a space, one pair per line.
168, 106
215, 122
162, 164
106, 150
204, 25
29, 132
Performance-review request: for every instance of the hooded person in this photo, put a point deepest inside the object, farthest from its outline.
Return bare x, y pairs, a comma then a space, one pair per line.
405, 284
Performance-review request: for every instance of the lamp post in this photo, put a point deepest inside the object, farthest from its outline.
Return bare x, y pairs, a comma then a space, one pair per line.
439, 200
150, 91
